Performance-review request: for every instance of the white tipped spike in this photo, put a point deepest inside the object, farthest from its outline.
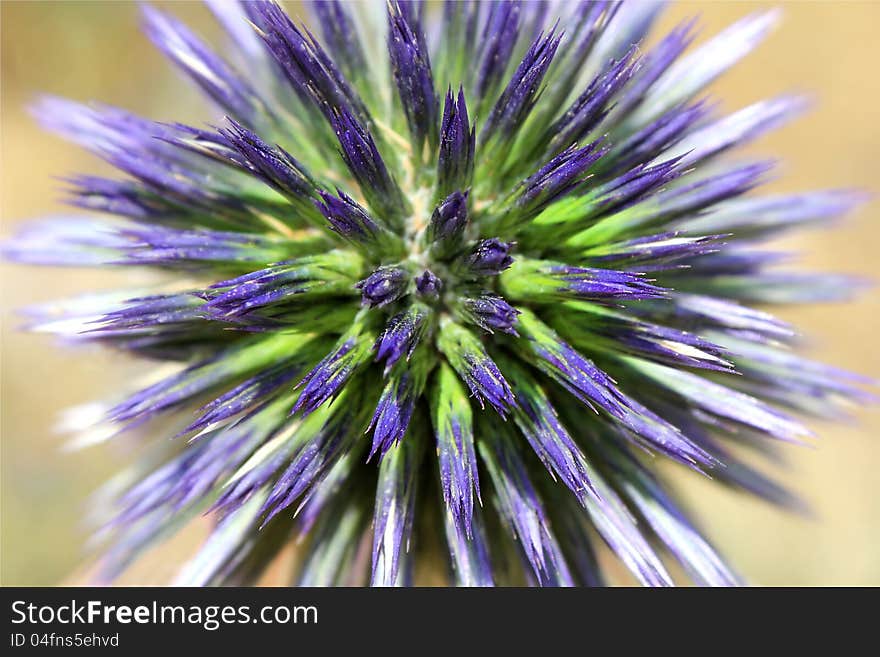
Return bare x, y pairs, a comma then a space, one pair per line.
689, 75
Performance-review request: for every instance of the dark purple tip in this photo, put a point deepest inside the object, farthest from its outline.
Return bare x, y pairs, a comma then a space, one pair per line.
383, 286
490, 257
428, 285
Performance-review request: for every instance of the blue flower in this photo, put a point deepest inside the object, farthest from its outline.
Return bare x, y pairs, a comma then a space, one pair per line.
505, 264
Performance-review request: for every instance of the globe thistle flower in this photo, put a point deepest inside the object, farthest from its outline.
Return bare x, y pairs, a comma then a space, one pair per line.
455, 285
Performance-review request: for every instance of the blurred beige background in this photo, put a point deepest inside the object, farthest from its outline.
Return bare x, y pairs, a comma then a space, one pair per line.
94, 51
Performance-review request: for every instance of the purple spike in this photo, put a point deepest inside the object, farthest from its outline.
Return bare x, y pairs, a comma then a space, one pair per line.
778, 374
470, 553
411, 69
519, 503
401, 335
395, 512
690, 197
179, 486
169, 246
559, 176
633, 187
605, 283
312, 461
657, 433
169, 486
535, 17
160, 177
65, 241
393, 413
174, 390
738, 128
275, 166
338, 552
539, 423
730, 316
186, 186
224, 85
629, 24
661, 134
769, 214
347, 217
669, 522
173, 182
497, 42
277, 283
340, 35
660, 343
781, 287
487, 383
321, 494
152, 311
722, 401
592, 386
120, 197
242, 489
521, 93
327, 377
309, 69
735, 260
366, 165
588, 20
209, 144
233, 18
580, 376
455, 160
384, 286
102, 128
654, 64
491, 313
459, 479
244, 396
593, 105
192, 476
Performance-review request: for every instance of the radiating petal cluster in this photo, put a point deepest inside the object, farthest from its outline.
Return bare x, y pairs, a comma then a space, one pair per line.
457, 274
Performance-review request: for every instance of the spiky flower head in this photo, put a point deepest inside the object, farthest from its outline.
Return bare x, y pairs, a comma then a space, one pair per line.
456, 284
